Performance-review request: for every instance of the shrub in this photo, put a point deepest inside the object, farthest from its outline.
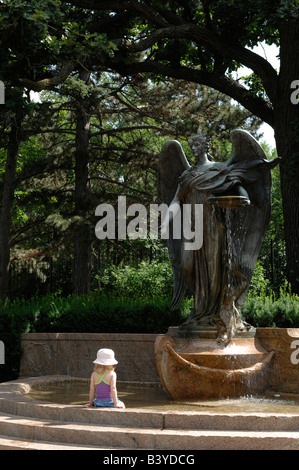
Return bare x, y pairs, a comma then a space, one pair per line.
259, 285
105, 314
272, 311
147, 280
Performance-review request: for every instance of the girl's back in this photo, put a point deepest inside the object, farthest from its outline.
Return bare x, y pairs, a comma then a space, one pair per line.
102, 382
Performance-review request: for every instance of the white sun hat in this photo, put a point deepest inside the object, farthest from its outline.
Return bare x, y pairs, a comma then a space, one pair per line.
105, 357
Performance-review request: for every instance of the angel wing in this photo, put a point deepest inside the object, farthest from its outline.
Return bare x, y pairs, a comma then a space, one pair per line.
244, 147
172, 163
250, 223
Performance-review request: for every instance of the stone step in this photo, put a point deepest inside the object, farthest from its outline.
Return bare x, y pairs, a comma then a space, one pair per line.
37, 429
46, 431
136, 418
13, 443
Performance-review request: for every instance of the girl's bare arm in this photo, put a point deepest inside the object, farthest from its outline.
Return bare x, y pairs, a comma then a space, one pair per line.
91, 391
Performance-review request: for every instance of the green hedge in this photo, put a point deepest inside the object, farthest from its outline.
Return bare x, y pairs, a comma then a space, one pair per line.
270, 311
128, 300
119, 315
92, 314
150, 279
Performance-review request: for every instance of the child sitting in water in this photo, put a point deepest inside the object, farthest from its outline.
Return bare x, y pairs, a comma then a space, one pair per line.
103, 390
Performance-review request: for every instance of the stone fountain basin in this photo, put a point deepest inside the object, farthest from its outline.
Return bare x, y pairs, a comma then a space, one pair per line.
196, 369
240, 353
42, 397
201, 368
71, 354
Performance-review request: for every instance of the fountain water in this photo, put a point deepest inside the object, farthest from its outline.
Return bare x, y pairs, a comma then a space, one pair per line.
145, 396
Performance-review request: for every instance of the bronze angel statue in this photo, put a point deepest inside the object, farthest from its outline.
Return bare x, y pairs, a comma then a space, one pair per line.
236, 201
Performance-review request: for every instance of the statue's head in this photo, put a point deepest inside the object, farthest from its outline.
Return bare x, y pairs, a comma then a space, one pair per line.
198, 143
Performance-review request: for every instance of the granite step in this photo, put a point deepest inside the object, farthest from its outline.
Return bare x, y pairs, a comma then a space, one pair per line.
72, 434
38, 429
14, 443
140, 418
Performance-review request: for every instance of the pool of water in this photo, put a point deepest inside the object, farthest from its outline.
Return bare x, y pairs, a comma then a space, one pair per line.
153, 397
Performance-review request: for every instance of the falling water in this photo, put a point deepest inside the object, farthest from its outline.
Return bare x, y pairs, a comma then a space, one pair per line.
229, 249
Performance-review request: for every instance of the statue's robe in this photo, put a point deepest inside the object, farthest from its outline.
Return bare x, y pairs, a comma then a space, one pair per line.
216, 274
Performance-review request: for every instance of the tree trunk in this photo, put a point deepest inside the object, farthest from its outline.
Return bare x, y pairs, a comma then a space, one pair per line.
82, 236
7, 205
286, 126
288, 150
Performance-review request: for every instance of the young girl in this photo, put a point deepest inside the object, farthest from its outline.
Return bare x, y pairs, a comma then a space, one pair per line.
103, 381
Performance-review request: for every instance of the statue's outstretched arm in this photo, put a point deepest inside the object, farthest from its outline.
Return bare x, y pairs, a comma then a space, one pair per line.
242, 192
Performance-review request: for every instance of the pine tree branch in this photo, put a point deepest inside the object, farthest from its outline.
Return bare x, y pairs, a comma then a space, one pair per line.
222, 83
216, 43
130, 129
175, 30
120, 183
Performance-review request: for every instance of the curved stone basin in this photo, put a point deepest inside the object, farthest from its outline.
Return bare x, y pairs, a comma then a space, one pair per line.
74, 391
199, 368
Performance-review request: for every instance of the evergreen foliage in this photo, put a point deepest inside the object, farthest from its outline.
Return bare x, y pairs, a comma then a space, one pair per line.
129, 123
145, 308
